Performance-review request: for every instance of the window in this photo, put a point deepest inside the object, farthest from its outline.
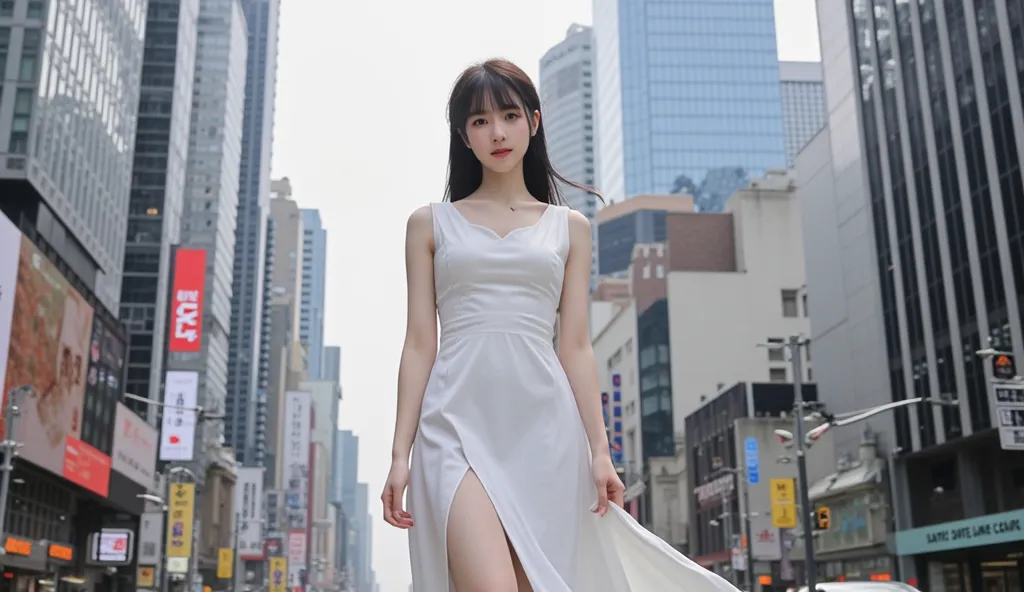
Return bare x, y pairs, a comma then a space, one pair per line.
776, 353
789, 306
19, 126
777, 375
807, 311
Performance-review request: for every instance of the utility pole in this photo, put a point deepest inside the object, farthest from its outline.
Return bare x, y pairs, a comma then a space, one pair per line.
749, 535
234, 552
796, 359
10, 446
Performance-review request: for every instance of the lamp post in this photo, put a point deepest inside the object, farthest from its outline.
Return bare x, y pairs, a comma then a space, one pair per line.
746, 515
162, 503
10, 446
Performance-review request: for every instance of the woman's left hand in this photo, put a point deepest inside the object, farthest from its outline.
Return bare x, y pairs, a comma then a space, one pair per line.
609, 486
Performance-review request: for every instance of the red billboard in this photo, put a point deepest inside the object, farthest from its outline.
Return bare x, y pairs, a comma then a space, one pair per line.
187, 300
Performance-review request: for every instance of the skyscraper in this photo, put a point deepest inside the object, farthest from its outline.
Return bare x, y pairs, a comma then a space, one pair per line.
66, 154
803, 104
688, 97
347, 475
158, 189
567, 95
332, 363
211, 193
248, 370
311, 312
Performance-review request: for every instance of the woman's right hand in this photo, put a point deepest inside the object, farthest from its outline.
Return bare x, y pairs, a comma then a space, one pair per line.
394, 491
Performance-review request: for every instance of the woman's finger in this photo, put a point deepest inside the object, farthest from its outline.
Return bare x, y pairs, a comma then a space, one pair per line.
402, 517
602, 499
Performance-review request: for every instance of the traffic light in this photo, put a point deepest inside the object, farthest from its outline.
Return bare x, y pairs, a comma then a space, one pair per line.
823, 518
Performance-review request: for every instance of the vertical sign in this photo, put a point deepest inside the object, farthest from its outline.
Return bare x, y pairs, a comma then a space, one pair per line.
753, 462
617, 452
1007, 404
783, 500
224, 560
187, 300
10, 250
296, 476
248, 502
181, 509
604, 410
151, 530
177, 436
278, 574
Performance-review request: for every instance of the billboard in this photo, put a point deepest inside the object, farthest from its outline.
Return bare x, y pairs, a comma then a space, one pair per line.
49, 350
178, 433
278, 574
106, 372
181, 510
134, 451
10, 245
248, 502
187, 300
295, 468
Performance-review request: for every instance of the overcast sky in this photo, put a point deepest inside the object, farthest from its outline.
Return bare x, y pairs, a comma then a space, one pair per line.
361, 133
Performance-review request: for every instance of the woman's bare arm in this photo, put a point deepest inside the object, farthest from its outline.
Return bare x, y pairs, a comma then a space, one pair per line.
420, 347
574, 349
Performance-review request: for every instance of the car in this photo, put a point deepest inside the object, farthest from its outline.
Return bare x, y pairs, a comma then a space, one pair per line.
862, 587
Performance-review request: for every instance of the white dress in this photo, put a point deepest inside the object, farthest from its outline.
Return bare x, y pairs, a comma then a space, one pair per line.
498, 402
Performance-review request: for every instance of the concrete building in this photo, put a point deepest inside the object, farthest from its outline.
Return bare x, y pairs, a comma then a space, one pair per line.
287, 357
211, 196
640, 220
688, 97
803, 105
158, 191
314, 290
325, 397
66, 156
567, 96
249, 370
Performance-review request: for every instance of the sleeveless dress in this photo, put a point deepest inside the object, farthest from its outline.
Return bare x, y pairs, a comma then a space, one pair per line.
498, 402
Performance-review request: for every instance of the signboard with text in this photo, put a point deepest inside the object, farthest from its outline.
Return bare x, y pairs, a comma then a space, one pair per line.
248, 502
177, 436
186, 307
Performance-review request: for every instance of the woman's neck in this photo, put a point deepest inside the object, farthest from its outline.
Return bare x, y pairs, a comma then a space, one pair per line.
503, 186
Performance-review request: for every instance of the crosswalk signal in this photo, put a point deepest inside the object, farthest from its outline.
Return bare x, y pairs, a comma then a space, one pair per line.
823, 517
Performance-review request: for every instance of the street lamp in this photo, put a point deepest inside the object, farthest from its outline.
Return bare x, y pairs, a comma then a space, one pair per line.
10, 447
738, 475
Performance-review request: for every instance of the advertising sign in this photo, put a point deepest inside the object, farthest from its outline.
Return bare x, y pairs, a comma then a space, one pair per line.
151, 530
112, 546
278, 574
224, 560
753, 462
145, 577
106, 370
296, 559
187, 300
764, 539
177, 438
10, 245
1007, 404
616, 443
49, 351
134, 452
783, 500
86, 466
181, 510
296, 459
248, 499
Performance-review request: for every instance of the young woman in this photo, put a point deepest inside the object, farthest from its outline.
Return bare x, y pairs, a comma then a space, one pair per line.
511, 486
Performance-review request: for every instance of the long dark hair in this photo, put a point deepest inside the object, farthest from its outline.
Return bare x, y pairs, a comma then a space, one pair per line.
502, 84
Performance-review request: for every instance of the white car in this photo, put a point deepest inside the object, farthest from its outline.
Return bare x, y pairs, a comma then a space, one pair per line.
862, 587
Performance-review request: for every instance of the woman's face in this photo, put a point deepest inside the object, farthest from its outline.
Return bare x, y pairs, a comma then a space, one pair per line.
499, 137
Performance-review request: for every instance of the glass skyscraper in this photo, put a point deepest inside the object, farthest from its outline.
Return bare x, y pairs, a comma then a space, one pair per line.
689, 97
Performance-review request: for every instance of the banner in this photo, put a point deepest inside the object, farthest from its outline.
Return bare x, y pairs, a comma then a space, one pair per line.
224, 561
295, 461
296, 559
278, 574
151, 530
248, 502
134, 452
187, 300
177, 438
181, 509
10, 245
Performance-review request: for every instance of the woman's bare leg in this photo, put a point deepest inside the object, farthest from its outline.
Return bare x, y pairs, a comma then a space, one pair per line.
479, 557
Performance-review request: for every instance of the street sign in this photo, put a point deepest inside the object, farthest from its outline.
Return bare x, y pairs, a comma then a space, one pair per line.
783, 500
753, 463
1007, 404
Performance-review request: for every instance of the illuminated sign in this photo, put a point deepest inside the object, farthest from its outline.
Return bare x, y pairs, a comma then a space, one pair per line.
61, 552
15, 546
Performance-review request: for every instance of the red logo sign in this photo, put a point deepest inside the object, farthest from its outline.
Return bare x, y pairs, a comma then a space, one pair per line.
187, 300
86, 466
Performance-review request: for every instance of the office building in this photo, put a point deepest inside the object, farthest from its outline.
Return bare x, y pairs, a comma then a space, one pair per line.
314, 288
332, 363
158, 190
211, 194
688, 97
65, 156
364, 539
248, 371
623, 225
567, 96
931, 94
346, 467
803, 104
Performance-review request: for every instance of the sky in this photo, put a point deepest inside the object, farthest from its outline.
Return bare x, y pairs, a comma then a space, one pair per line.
361, 132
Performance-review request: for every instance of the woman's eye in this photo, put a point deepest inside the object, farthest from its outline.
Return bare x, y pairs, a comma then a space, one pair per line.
478, 122
512, 116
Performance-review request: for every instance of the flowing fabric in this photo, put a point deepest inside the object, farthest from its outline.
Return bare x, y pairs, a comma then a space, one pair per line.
498, 403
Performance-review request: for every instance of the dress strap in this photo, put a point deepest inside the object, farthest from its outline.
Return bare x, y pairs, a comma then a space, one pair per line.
441, 219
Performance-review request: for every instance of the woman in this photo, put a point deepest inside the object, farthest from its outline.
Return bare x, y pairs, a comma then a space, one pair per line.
511, 486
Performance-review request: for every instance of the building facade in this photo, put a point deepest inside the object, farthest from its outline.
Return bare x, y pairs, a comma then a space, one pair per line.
803, 104
65, 157
314, 289
567, 95
248, 371
158, 190
938, 106
688, 97
211, 196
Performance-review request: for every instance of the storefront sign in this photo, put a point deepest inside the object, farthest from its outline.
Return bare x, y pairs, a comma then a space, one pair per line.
16, 546
86, 466
961, 534
24, 554
61, 553
145, 577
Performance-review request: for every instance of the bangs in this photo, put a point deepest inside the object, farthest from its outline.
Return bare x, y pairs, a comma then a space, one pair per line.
482, 92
